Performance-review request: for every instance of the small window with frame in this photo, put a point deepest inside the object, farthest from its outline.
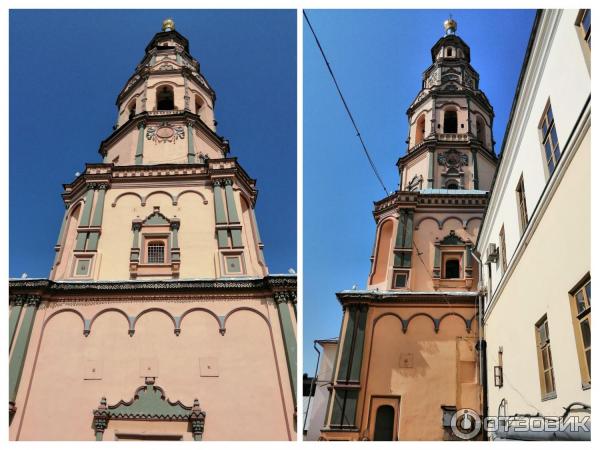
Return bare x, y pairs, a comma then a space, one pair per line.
546, 369
451, 265
549, 139
155, 251
581, 308
400, 279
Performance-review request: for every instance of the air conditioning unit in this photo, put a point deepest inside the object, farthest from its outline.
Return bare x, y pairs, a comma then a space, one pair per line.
492, 253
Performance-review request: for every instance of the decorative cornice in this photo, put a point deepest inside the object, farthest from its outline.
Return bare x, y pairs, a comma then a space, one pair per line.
270, 283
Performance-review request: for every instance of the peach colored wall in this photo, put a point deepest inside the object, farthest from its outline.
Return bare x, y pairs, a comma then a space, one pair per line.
426, 231
443, 369
417, 166
250, 399
197, 241
124, 149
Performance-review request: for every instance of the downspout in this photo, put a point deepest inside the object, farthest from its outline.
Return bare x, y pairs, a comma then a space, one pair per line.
481, 341
311, 385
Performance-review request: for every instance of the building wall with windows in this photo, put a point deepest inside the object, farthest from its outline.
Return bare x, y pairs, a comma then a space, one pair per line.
535, 237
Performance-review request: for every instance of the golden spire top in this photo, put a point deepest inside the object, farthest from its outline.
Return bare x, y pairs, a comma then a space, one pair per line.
168, 25
450, 25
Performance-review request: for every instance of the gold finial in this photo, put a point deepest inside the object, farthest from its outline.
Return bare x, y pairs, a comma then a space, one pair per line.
450, 25
168, 25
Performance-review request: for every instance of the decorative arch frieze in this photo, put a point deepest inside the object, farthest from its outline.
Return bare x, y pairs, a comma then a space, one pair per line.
190, 191
149, 403
462, 223
428, 218
436, 321
135, 194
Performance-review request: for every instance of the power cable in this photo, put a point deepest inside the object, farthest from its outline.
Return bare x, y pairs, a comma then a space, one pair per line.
337, 86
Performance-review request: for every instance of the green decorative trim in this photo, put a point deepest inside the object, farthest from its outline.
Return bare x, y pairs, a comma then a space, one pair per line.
219, 206
87, 208
431, 165
475, 170
289, 337
343, 372
452, 239
191, 152
17, 359
231, 209
80, 242
139, 150
149, 403
97, 219
156, 218
236, 237
15, 314
92, 243
222, 238
62, 227
358, 345
175, 233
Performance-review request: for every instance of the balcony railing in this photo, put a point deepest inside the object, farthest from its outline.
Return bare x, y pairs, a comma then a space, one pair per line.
453, 137
164, 112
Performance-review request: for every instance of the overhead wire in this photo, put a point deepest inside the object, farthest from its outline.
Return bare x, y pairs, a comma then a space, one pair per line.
337, 86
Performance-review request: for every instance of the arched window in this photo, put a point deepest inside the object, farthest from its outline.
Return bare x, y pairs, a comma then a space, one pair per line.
420, 129
164, 99
452, 185
131, 109
198, 104
155, 252
384, 423
449, 51
452, 268
450, 121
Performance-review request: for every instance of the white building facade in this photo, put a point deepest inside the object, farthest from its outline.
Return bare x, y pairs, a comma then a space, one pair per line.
535, 242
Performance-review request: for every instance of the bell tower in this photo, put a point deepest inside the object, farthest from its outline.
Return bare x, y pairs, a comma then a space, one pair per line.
410, 337
450, 142
166, 201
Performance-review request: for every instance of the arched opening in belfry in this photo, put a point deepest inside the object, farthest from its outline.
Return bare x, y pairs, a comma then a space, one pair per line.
384, 423
165, 98
420, 129
198, 104
480, 129
452, 185
449, 51
450, 121
131, 109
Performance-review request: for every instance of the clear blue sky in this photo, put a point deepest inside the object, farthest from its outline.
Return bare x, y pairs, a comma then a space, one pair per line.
66, 70
378, 57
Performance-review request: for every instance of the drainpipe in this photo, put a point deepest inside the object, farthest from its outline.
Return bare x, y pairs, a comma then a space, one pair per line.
311, 385
481, 341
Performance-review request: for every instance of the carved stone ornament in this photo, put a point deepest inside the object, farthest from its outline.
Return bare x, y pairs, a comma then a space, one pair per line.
452, 159
165, 132
149, 403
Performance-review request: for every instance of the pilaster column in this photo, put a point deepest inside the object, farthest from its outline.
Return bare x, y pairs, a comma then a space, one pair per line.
475, 170
135, 245
186, 95
15, 314
175, 256
145, 96
191, 154
87, 208
231, 209
219, 206
19, 353
287, 331
139, 150
97, 219
431, 167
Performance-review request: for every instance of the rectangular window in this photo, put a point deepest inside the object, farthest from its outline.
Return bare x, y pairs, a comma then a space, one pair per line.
400, 280
584, 21
156, 252
549, 139
522, 205
547, 384
502, 240
581, 308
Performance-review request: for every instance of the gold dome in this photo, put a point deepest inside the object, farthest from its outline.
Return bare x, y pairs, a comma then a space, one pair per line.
168, 25
450, 26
